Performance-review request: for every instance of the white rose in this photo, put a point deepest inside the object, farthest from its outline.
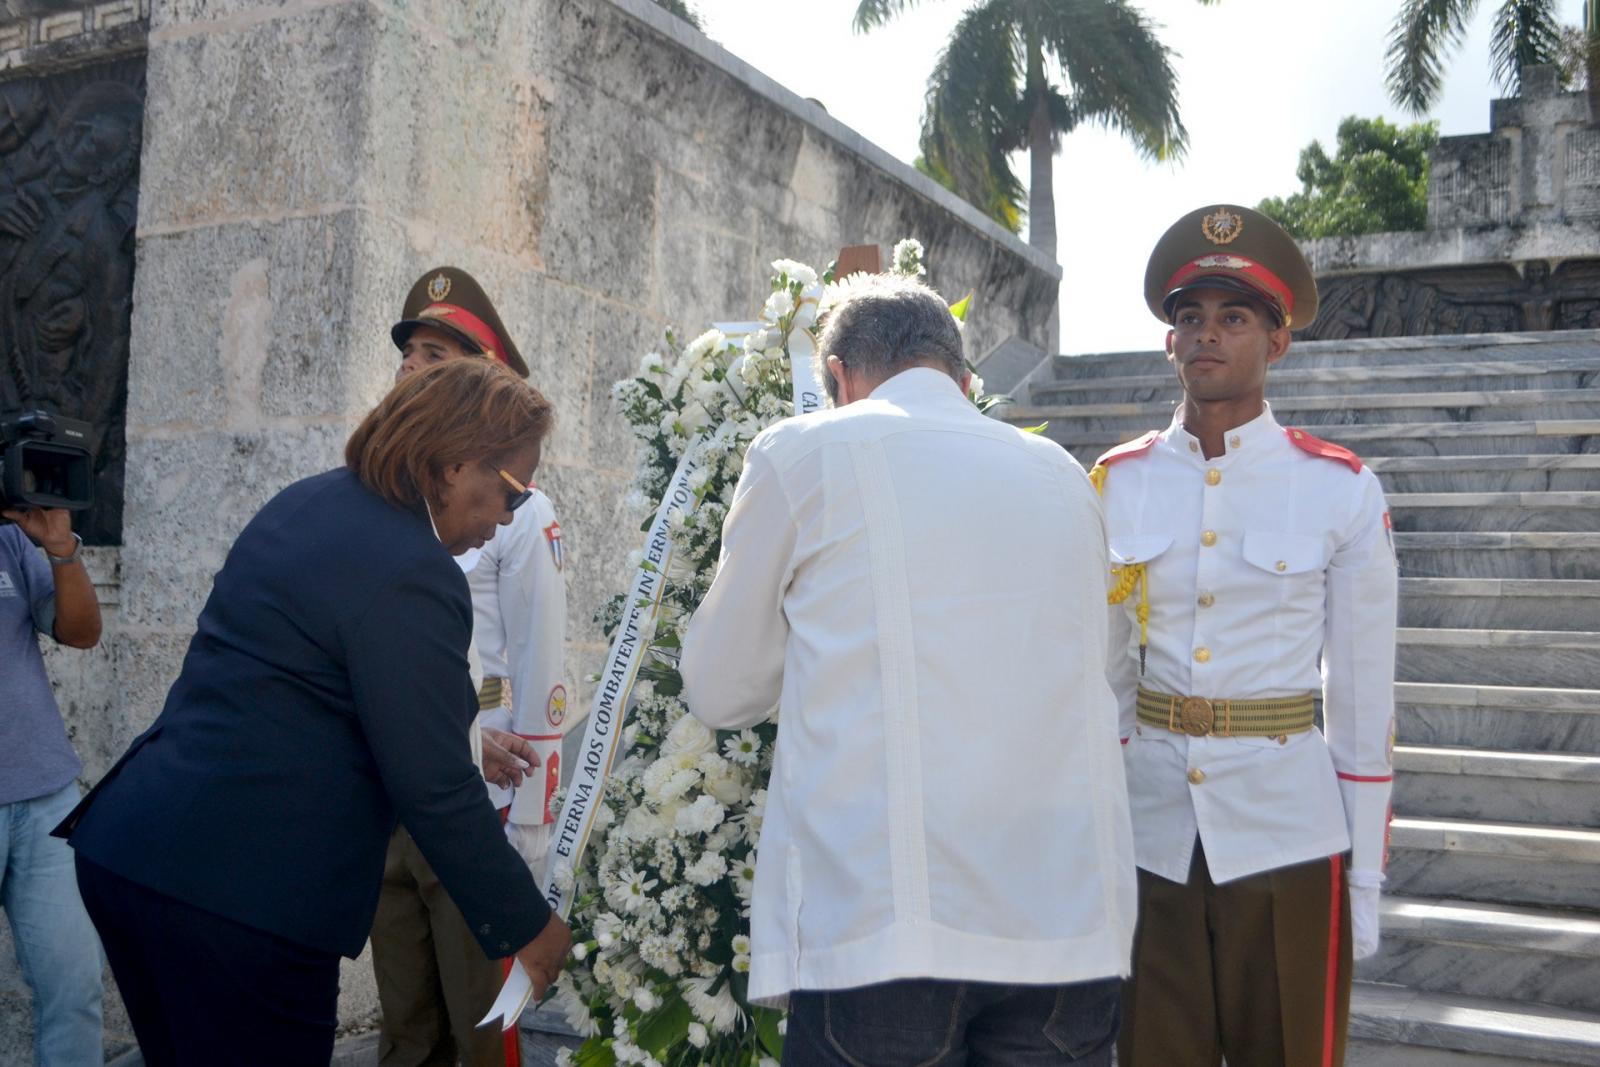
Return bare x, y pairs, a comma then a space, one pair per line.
797, 272
688, 735
697, 1036
779, 304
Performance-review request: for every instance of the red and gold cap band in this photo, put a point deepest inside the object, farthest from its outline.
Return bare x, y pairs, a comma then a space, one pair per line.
1272, 287
468, 323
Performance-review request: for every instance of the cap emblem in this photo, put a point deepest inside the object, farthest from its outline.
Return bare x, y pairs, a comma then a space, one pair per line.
1221, 226
439, 287
1225, 262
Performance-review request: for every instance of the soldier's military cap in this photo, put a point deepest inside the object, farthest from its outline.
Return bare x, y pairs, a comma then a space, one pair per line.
450, 299
1229, 247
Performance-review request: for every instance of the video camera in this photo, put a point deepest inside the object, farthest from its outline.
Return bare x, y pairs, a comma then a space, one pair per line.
45, 462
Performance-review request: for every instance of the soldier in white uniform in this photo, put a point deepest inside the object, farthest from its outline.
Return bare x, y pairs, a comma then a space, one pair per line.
434, 981
1253, 571
519, 606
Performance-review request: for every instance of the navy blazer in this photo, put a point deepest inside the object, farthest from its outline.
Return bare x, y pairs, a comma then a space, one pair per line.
324, 693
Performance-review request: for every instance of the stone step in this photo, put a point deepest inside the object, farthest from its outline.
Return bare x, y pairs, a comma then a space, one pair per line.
1395, 1015
1500, 603
1361, 1052
1500, 717
1519, 554
1576, 512
1537, 348
1512, 437
1500, 863
1561, 658
1484, 950
1284, 381
1554, 472
1543, 788
1326, 416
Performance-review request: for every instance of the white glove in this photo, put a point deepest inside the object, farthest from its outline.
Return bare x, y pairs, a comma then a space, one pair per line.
1364, 913
532, 842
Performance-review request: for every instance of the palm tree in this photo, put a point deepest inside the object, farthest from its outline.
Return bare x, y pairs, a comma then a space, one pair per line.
1023, 73
1526, 32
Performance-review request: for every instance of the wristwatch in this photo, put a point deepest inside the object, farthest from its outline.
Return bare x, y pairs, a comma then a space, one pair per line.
62, 561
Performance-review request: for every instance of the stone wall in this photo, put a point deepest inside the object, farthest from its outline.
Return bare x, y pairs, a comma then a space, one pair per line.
1513, 235
601, 167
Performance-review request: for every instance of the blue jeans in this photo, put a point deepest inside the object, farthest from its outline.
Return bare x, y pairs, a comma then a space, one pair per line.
929, 1023
56, 944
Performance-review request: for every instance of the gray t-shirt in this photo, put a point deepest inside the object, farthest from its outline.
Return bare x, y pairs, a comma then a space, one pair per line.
36, 758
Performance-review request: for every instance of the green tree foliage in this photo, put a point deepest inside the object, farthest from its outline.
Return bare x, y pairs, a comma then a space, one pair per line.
1021, 74
1376, 182
682, 10
1525, 33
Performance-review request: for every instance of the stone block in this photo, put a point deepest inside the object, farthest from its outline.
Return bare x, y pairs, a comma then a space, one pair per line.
257, 117
622, 336
175, 546
243, 323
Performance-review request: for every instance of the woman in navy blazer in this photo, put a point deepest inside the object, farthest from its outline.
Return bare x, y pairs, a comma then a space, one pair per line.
235, 852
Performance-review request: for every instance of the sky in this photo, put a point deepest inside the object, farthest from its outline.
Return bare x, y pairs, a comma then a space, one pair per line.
1258, 81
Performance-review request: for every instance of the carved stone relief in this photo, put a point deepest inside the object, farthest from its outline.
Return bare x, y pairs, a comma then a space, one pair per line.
69, 159
1455, 300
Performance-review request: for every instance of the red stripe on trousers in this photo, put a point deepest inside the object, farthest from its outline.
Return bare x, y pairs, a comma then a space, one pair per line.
1332, 989
513, 1046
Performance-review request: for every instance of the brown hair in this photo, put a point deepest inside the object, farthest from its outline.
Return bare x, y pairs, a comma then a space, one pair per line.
461, 411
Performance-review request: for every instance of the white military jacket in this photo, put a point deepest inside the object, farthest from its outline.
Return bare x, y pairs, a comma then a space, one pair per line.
1271, 573
519, 607
947, 799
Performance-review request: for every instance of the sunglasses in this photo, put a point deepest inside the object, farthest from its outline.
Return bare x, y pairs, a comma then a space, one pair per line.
520, 494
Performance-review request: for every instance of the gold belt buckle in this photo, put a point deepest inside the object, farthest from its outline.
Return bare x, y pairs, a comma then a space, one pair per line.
1196, 716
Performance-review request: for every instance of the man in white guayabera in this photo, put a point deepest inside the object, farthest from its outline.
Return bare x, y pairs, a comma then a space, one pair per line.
946, 871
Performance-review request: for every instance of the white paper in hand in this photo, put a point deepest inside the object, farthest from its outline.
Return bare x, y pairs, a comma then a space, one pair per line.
514, 997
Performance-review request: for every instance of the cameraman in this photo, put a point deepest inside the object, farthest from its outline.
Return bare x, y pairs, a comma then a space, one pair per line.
56, 945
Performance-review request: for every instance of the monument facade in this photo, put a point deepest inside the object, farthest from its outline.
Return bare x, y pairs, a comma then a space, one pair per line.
1513, 236
269, 178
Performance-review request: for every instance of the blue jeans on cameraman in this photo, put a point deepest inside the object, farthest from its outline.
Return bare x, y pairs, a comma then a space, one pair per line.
57, 948
924, 1022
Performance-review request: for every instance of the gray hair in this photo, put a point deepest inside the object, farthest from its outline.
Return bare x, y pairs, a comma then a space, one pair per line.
880, 324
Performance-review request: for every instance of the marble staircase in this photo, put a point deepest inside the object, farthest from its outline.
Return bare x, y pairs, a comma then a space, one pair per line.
1489, 449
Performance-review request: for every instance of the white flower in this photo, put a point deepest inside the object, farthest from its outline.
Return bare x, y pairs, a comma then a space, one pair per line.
652, 363
779, 304
797, 272
741, 944
564, 1057
908, 258
698, 479
633, 890
694, 417
688, 736
727, 788
701, 817
719, 1011
697, 1035
741, 963
703, 346
575, 1010
744, 878
580, 951
645, 1000
975, 387
707, 869
744, 748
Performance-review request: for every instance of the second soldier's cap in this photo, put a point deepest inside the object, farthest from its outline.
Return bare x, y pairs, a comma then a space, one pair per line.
450, 299
1225, 246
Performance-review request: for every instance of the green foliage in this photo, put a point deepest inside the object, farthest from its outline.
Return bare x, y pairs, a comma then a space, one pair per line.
682, 10
1022, 74
1376, 182
1425, 32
